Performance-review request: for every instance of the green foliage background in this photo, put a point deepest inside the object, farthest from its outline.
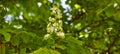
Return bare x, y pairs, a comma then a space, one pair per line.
90, 27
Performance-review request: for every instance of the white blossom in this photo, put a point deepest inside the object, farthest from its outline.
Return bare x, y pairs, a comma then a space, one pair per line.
46, 36
61, 34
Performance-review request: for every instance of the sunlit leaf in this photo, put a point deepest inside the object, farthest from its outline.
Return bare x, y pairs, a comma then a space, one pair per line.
77, 6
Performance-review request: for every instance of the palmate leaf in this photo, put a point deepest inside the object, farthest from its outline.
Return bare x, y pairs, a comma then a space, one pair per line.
99, 17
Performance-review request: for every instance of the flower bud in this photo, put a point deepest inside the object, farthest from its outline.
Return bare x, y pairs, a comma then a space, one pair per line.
51, 19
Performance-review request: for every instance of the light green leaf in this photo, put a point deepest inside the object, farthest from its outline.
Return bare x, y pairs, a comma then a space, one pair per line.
77, 6
23, 51
61, 47
45, 51
6, 35
102, 9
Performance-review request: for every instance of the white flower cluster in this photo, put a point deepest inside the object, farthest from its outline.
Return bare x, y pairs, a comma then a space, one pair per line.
55, 25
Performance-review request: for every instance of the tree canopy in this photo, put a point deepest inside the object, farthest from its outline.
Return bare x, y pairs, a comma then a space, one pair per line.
59, 26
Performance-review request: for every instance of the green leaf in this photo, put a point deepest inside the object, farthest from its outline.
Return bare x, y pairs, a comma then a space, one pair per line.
100, 10
61, 47
15, 41
23, 51
110, 23
77, 6
110, 11
117, 16
6, 35
45, 51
